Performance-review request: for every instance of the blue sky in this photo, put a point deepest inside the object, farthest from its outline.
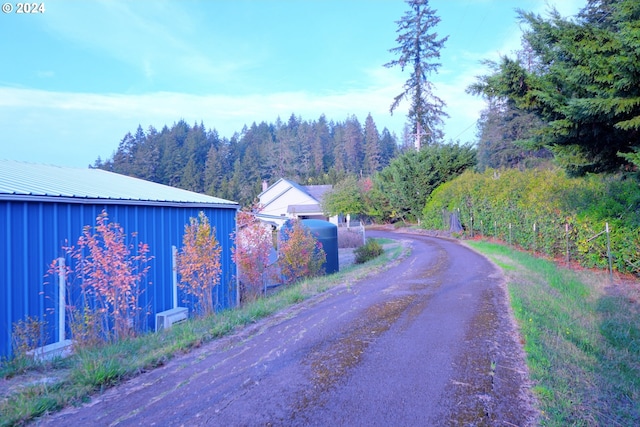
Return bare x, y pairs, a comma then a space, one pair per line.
76, 78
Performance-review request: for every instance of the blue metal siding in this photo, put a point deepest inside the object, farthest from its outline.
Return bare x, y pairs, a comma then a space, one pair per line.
32, 235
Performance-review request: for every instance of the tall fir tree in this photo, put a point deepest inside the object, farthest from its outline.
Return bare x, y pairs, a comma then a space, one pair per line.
372, 149
388, 147
418, 47
353, 145
339, 155
320, 145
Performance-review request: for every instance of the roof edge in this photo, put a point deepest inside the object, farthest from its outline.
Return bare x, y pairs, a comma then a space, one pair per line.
97, 201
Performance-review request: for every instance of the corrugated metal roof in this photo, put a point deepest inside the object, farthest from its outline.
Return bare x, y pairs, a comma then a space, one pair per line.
24, 180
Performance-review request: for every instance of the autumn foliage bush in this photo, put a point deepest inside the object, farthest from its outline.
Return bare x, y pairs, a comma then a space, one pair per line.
299, 253
567, 212
104, 282
198, 264
253, 244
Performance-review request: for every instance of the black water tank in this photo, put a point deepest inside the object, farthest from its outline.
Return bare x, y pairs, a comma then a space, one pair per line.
327, 234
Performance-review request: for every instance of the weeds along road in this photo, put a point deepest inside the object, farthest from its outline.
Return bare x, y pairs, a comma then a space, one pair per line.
429, 341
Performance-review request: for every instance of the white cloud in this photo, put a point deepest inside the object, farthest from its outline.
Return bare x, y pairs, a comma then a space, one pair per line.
75, 128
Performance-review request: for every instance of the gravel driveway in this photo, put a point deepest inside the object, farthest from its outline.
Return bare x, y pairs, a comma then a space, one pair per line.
429, 341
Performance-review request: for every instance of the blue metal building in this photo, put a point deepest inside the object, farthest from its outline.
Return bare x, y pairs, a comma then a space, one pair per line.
43, 208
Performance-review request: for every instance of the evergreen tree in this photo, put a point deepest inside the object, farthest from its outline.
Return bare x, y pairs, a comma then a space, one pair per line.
419, 48
286, 137
339, 153
304, 154
353, 145
411, 177
140, 137
388, 147
191, 177
147, 154
123, 159
193, 158
372, 149
585, 85
320, 157
499, 126
173, 158
214, 172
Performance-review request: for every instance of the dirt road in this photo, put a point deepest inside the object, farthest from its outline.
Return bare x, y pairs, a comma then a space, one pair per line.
427, 342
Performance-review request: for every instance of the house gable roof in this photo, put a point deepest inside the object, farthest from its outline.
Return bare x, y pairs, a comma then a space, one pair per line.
285, 197
316, 192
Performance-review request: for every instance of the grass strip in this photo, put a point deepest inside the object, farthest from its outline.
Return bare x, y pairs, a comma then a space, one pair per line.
581, 338
71, 381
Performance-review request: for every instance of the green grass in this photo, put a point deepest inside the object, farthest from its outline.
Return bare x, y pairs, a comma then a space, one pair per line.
92, 370
582, 342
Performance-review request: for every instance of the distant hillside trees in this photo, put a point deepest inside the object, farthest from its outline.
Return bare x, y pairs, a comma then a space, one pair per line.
499, 127
309, 152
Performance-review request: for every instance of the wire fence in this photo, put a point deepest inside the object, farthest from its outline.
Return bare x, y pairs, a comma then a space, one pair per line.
590, 245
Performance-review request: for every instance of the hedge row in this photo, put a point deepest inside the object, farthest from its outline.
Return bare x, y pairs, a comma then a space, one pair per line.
567, 212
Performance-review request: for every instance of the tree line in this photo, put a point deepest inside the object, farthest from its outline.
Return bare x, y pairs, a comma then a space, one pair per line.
199, 159
570, 96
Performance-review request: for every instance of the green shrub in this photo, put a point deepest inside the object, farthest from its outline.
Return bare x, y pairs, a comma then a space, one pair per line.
547, 212
370, 250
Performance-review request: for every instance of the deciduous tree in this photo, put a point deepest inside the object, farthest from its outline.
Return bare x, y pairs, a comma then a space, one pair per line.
299, 253
109, 277
198, 263
253, 244
345, 198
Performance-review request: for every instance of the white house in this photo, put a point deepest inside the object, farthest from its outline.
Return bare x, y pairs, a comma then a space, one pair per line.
286, 199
